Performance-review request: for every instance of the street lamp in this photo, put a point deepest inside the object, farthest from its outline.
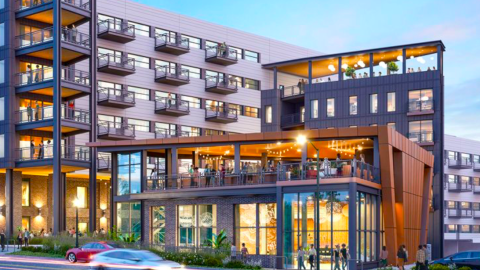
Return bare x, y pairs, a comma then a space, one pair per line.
76, 204
301, 139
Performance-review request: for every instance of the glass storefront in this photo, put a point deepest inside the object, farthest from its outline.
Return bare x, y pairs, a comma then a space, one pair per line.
129, 173
129, 218
196, 224
158, 225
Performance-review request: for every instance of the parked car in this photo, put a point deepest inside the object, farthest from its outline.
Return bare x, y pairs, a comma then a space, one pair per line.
131, 259
85, 253
464, 258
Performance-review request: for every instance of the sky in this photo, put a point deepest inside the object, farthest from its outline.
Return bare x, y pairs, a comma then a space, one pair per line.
342, 26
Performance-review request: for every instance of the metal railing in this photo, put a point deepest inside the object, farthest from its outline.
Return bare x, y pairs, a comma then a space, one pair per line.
110, 59
104, 161
292, 119
420, 105
34, 38
119, 95
476, 213
83, 4
460, 186
81, 153
75, 37
162, 133
173, 104
172, 40
34, 76
459, 162
118, 27
421, 137
220, 81
291, 91
221, 112
114, 128
172, 72
76, 76
459, 212
476, 166
26, 4
37, 113
221, 51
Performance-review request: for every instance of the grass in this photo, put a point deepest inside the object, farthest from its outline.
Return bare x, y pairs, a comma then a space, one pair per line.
36, 254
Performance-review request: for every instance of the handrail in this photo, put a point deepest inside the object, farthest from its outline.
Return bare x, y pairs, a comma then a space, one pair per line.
218, 81
104, 161
459, 186
73, 36
420, 105
221, 112
459, 162
34, 76
291, 91
105, 93
119, 61
84, 4
33, 114
421, 137
26, 4
34, 38
121, 27
292, 119
162, 133
172, 40
454, 212
75, 152
76, 76
222, 51
170, 103
115, 128
172, 72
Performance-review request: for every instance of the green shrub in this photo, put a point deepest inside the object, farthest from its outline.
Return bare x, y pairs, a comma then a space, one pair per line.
32, 249
213, 262
235, 264
438, 267
36, 241
464, 268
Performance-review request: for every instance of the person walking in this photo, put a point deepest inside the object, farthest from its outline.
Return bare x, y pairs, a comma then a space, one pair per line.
32, 150
3, 238
428, 255
336, 256
244, 252
344, 254
420, 258
233, 252
300, 258
402, 257
312, 254
207, 173
49, 149
40, 151
383, 257
19, 239
26, 237
29, 74
37, 112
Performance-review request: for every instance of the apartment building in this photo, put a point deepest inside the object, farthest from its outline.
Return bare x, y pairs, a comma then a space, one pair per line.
399, 86
462, 194
78, 71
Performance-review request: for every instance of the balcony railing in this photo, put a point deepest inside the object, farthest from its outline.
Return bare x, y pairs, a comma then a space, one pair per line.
420, 105
34, 38
476, 166
34, 76
121, 28
120, 95
258, 176
221, 113
221, 54
34, 114
460, 186
292, 91
26, 4
459, 213
173, 104
76, 76
115, 129
476, 213
221, 84
172, 40
74, 37
463, 163
162, 133
476, 189
104, 161
83, 4
80, 153
172, 72
111, 59
292, 119
421, 137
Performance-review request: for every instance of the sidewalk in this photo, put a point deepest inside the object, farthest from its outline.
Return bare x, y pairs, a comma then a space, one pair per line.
12, 248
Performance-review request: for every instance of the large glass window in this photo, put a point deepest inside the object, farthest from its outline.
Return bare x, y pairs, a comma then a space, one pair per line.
251, 111
420, 131
421, 59
314, 108
26, 192
373, 103
252, 84
2, 108
330, 107
140, 93
187, 223
268, 114
2, 71
252, 56
391, 102
193, 41
193, 71
141, 29
129, 218
2, 145
193, 101
387, 63
140, 125
158, 225
128, 173
366, 229
2, 33
353, 105
420, 100
356, 66
196, 224
190, 131
140, 61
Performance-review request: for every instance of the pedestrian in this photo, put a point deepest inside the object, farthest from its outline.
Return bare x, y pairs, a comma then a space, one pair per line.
40, 151
74, 33
29, 113
19, 239
42, 232
233, 252
29, 74
344, 254
3, 238
32, 150
383, 257
300, 258
37, 113
402, 257
428, 256
37, 73
49, 150
207, 173
95, 233
312, 253
26, 237
244, 252
420, 258
336, 256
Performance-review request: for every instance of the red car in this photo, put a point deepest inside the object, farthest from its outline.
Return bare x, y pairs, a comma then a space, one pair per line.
86, 252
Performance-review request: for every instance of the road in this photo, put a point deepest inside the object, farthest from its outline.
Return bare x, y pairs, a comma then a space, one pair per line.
34, 263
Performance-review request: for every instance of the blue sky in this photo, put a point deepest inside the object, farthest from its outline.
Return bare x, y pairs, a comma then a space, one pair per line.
337, 26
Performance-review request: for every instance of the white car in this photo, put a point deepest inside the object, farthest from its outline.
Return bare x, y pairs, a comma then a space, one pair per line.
131, 259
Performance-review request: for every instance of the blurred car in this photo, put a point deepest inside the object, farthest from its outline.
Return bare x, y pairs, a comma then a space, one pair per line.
85, 253
464, 258
131, 259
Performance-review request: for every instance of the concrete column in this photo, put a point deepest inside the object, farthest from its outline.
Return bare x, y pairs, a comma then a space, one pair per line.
49, 202
170, 224
371, 65
195, 160
340, 73
174, 161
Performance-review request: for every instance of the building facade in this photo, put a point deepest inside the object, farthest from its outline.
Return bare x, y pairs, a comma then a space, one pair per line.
399, 86
260, 188
78, 71
462, 194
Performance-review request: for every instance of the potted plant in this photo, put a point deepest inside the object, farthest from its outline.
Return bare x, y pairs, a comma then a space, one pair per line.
392, 67
349, 71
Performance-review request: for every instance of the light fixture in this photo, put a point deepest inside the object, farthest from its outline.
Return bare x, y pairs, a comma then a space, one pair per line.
2, 210
279, 143
39, 214
412, 57
104, 212
331, 67
301, 139
344, 66
399, 58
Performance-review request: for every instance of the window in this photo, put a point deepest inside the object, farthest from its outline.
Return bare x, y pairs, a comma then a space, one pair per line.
193, 41
2, 145
82, 227
420, 131
252, 56
353, 126
117, 22
330, 107
113, 56
314, 108
420, 100
2, 71
193, 101
464, 228
235, 80
140, 93
141, 29
166, 35
268, 114
140, 125
140, 61
214, 105
158, 225
373, 103
193, 71
391, 102
353, 108
2, 108
166, 129
26, 223
129, 218
392, 125
236, 52
82, 197
128, 173
251, 111
236, 107
26, 192
2, 34
196, 224
2, 4
252, 84
451, 228
190, 131
214, 132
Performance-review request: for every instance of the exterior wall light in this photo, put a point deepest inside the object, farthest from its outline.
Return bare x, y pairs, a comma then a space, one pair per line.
103, 213
39, 212
2, 210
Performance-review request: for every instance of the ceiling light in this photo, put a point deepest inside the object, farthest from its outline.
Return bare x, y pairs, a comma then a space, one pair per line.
344, 66
331, 67
412, 57
400, 58
355, 65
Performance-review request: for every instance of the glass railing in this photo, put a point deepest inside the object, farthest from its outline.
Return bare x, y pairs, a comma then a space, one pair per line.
40, 152
461, 186
421, 137
34, 76
220, 81
291, 91
162, 133
465, 162
26, 4
292, 119
117, 27
34, 114
172, 40
34, 38
111, 59
221, 51
170, 103
171, 72
74, 37
115, 95
104, 161
221, 113
420, 105
76, 76
114, 128
83, 4
459, 212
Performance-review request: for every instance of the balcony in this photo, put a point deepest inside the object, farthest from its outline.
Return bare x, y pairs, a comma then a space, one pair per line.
459, 213
423, 138
172, 44
476, 214
104, 162
72, 11
219, 85
172, 76
117, 65
163, 133
292, 93
221, 115
115, 131
420, 107
172, 107
292, 120
74, 156
476, 167
221, 55
115, 31
115, 98
459, 187
476, 189
459, 163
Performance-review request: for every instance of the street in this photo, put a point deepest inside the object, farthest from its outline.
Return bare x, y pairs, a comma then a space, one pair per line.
21, 262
